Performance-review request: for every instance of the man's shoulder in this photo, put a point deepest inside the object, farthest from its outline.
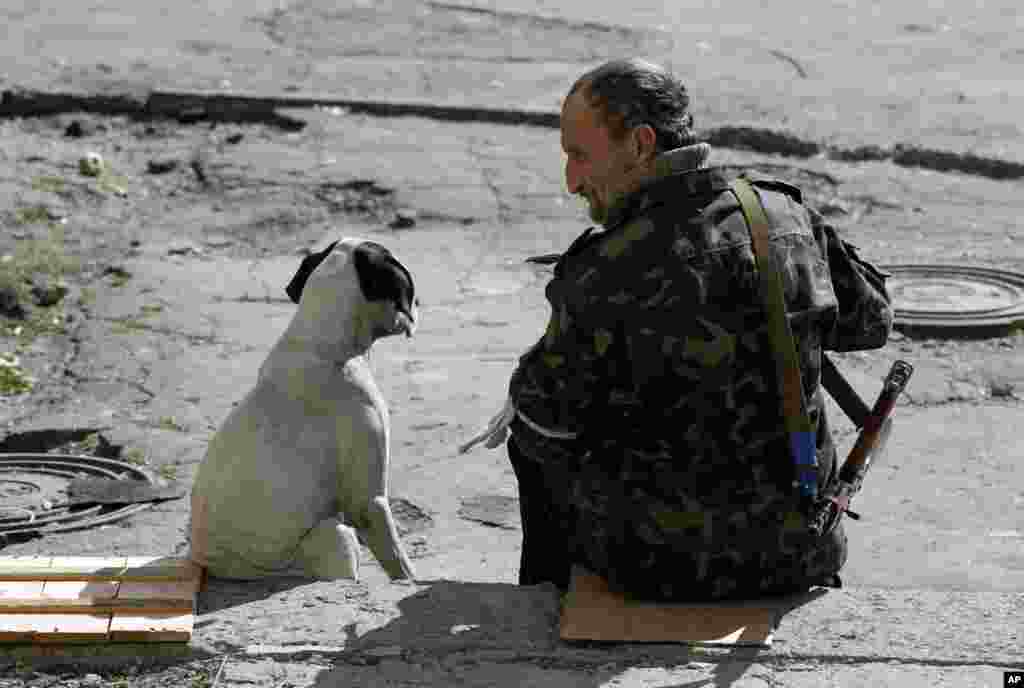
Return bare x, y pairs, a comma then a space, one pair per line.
689, 186
778, 187
698, 184
701, 194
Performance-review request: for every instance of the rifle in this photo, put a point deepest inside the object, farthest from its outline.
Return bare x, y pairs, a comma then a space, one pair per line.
875, 426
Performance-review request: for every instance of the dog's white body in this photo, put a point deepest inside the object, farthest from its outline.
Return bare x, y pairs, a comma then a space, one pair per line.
302, 461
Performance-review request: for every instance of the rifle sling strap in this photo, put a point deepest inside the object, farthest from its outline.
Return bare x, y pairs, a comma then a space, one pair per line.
787, 367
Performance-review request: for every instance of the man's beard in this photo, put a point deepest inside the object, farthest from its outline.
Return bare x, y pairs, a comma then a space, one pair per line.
597, 210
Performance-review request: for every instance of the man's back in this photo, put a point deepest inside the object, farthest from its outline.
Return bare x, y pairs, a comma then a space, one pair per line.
682, 478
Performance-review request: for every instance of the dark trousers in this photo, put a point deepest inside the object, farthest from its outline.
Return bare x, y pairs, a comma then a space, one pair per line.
546, 522
550, 548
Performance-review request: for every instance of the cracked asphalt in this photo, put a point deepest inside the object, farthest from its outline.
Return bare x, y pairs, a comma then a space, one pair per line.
179, 295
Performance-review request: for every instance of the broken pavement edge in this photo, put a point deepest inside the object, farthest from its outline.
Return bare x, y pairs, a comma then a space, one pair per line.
192, 106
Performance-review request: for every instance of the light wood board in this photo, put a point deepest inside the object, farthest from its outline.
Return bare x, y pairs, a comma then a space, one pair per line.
46, 600
592, 611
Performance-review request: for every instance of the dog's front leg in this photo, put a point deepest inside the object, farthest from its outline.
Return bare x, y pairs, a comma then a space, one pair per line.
370, 456
382, 539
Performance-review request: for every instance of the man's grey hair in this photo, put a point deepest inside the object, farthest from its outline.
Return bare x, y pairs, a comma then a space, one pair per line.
632, 92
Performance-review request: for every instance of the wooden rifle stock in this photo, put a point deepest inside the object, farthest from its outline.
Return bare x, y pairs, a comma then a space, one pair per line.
873, 438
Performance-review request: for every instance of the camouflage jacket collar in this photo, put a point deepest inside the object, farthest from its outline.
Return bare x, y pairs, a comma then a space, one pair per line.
668, 164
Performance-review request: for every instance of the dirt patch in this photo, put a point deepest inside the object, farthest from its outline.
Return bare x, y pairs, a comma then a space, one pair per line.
497, 511
60, 440
411, 518
361, 197
138, 675
228, 188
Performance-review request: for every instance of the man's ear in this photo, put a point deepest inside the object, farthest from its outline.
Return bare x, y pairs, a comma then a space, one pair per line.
645, 142
306, 268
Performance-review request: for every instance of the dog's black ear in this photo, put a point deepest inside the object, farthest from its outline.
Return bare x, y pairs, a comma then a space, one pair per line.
306, 268
383, 278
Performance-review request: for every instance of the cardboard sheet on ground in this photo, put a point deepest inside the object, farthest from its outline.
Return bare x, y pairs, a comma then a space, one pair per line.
593, 612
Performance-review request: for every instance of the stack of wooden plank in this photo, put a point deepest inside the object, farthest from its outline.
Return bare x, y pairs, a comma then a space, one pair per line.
64, 600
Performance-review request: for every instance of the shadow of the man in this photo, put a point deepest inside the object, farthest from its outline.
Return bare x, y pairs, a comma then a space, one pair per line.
502, 622
730, 666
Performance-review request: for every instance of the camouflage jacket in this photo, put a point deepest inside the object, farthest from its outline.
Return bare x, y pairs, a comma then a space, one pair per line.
657, 349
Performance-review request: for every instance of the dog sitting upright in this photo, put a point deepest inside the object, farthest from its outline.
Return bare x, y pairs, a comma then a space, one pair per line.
302, 461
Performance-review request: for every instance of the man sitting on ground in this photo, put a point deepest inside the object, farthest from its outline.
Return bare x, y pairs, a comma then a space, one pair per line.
647, 434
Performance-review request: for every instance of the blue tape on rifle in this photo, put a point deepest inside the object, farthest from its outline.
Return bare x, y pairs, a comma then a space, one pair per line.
801, 445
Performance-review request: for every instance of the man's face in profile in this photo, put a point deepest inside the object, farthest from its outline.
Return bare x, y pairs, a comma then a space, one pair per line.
597, 167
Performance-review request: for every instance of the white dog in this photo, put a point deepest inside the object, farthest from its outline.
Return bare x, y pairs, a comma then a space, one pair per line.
302, 461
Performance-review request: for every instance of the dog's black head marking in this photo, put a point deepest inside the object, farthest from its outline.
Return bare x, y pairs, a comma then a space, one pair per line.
383, 278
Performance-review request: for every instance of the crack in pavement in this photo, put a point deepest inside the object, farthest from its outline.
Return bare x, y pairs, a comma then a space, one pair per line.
505, 215
569, 660
245, 298
859, 660
791, 61
428, 86
191, 337
546, 21
138, 386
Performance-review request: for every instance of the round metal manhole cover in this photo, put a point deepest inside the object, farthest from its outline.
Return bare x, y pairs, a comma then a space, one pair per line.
956, 299
34, 492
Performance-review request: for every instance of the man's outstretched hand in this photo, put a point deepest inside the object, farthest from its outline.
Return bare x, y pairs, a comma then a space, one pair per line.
496, 432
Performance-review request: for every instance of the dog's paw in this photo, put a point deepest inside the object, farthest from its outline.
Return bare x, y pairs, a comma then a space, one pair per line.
330, 551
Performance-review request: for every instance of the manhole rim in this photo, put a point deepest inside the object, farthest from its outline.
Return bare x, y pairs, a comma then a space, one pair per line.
977, 311
93, 461
983, 319
86, 518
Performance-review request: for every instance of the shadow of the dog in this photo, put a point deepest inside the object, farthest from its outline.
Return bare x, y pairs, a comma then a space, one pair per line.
448, 615
224, 593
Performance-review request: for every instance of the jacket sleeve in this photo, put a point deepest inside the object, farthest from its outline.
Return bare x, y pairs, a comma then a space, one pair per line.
558, 379
864, 318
